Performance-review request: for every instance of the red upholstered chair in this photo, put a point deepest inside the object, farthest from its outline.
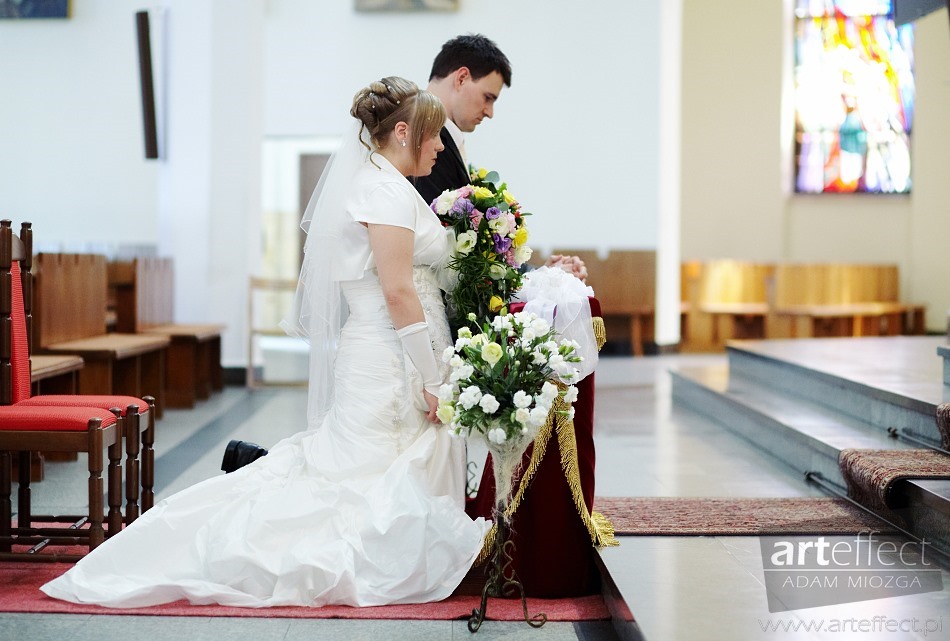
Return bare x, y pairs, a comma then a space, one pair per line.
65, 429
134, 413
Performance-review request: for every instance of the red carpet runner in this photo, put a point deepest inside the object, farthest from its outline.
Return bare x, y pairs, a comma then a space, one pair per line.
20, 582
717, 516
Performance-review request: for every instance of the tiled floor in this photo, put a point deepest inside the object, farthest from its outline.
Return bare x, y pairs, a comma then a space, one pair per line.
677, 588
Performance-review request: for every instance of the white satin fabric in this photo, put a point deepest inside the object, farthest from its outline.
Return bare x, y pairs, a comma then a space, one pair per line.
364, 510
562, 300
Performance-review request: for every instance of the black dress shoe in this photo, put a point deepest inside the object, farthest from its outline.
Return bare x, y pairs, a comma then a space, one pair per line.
239, 453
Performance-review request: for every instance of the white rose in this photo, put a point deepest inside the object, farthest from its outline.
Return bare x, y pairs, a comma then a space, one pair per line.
464, 332
445, 201
446, 392
500, 226
469, 397
465, 242
522, 415
489, 404
570, 395
522, 399
497, 435
528, 334
461, 373
501, 323
541, 327
538, 416
523, 254
455, 360
447, 354
497, 271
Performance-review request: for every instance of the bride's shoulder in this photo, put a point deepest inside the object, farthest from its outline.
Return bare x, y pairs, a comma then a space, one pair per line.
371, 181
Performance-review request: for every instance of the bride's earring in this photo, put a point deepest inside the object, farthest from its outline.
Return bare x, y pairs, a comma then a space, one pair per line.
403, 143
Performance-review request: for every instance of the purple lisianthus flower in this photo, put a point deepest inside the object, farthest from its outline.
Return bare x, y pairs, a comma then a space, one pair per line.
502, 243
492, 213
510, 258
462, 207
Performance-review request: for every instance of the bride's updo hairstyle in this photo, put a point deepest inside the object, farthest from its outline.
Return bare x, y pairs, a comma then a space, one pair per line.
383, 104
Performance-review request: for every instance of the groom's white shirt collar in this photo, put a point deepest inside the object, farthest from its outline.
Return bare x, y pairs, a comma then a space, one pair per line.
458, 137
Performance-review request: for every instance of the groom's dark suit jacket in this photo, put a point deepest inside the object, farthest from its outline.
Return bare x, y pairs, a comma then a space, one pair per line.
449, 171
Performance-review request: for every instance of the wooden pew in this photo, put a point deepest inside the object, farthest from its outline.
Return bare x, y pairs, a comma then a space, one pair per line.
839, 299
724, 299
69, 319
55, 374
625, 285
143, 294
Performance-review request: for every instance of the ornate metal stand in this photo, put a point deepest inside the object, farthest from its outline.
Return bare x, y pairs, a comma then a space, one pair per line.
502, 579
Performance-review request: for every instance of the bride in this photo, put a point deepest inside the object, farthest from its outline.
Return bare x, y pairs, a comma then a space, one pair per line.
365, 507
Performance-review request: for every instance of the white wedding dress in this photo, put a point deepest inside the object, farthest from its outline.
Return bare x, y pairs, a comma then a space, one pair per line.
364, 510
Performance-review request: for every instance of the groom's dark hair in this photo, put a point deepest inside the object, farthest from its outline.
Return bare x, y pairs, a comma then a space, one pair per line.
475, 51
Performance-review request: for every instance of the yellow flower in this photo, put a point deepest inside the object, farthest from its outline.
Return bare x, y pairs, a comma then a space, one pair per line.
446, 412
492, 352
521, 236
482, 172
508, 197
482, 193
495, 303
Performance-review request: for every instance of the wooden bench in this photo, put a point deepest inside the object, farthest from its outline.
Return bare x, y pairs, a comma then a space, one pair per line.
143, 293
724, 299
625, 285
840, 299
69, 319
55, 374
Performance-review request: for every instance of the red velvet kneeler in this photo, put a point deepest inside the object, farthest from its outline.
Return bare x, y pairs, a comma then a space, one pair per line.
554, 555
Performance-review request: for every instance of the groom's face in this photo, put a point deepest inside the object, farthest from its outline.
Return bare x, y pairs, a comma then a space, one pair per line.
476, 100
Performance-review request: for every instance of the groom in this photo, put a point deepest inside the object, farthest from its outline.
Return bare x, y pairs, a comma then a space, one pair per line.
468, 75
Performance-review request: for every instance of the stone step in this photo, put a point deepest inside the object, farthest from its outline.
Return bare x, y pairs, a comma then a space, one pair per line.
805, 435
885, 382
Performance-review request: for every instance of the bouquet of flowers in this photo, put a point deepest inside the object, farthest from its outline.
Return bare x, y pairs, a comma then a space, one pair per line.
501, 387
490, 245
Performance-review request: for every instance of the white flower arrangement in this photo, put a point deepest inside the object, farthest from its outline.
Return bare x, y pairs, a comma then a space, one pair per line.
501, 380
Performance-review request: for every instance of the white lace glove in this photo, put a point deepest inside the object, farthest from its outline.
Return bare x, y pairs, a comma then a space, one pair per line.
415, 340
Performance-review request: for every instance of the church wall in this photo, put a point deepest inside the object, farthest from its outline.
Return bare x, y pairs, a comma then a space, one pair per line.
576, 135
737, 173
72, 156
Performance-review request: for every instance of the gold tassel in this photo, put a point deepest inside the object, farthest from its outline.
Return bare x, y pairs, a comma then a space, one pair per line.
600, 331
601, 534
599, 528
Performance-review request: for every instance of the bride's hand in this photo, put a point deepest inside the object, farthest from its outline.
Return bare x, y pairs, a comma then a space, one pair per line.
433, 402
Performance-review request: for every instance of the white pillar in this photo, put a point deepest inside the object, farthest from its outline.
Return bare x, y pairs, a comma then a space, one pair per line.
667, 328
209, 180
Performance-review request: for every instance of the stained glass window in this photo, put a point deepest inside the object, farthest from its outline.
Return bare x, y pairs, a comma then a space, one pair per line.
854, 97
